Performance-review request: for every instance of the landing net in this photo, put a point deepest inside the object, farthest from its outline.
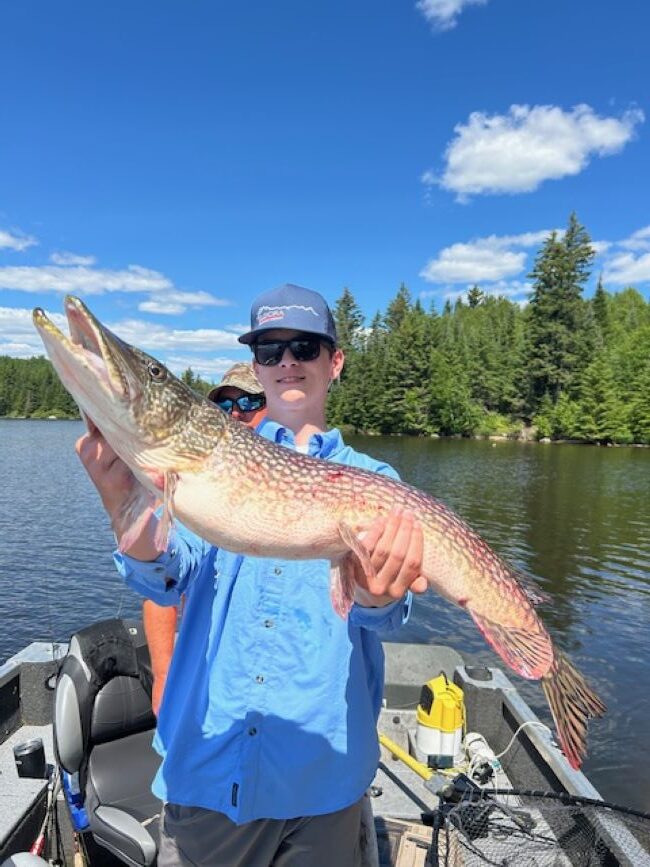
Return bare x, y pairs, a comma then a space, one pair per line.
536, 829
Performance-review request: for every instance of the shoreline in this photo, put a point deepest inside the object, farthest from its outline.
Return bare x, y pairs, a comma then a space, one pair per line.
494, 438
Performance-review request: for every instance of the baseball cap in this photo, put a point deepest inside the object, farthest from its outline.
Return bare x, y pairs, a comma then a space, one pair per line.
240, 375
292, 307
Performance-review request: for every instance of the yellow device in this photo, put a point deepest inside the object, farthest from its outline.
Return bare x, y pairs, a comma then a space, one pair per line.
440, 719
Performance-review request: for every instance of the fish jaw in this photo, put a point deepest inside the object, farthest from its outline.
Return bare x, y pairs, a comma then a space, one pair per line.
78, 362
147, 415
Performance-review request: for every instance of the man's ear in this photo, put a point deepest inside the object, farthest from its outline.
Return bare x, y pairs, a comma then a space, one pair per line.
338, 360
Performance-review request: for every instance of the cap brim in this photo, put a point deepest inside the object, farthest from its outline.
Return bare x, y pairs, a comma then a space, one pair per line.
251, 336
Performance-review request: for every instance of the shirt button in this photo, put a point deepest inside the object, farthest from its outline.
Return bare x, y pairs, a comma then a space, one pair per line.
260, 678
268, 623
277, 570
252, 732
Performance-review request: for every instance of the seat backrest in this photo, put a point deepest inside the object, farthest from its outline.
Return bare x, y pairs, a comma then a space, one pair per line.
103, 691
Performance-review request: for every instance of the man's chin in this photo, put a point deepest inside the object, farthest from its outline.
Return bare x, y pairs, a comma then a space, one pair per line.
293, 396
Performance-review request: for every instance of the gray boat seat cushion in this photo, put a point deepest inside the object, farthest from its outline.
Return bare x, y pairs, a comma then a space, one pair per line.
104, 727
24, 859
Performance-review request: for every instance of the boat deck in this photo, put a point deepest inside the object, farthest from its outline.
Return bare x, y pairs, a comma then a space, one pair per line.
398, 796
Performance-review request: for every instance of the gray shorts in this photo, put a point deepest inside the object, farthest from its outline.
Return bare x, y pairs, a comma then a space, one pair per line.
194, 837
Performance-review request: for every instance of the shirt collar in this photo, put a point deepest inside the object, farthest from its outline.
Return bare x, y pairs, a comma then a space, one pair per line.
321, 445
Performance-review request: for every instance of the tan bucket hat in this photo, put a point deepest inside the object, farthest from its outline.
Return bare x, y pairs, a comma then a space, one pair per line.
240, 375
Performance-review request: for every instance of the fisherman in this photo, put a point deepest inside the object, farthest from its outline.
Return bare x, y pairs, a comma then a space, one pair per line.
268, 728
241, 395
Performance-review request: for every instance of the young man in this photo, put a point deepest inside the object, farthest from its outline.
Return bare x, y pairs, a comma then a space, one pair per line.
241, 395
268, 728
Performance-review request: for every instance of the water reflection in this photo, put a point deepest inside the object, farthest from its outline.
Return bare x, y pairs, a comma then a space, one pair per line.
575, 518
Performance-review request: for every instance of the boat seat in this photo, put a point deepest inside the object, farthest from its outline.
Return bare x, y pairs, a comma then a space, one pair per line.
103, 728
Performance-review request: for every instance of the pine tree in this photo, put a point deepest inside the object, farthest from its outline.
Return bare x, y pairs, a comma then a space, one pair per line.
557, 316
349, 322
398, 308
602, 417
600, 304
475, 297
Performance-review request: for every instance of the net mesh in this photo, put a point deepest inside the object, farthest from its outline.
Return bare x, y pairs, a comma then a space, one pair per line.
538, 830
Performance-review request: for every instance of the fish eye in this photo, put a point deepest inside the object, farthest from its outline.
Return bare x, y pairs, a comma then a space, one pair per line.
157, 372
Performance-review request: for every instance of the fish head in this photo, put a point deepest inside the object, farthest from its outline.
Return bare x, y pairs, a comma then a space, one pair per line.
134, 400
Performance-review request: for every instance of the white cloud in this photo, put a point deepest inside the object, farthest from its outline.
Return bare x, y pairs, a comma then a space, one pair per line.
154, 337
639, 240
482, 260
17, 242
69, 275
626, 269
209, 368
175, 302
19, 338
627, 262
82, 280
443, 13
64, 257
601, 247
516, 152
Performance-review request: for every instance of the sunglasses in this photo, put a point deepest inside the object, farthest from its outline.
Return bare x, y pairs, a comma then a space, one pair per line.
302, 348
245, 403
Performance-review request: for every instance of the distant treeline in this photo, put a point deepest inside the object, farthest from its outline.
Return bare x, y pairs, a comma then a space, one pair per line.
30, 388
562, 366
568, 367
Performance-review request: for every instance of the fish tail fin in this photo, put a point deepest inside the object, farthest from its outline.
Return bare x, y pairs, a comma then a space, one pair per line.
572, 702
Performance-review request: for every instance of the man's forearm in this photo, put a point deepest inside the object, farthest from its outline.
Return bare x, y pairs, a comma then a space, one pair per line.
160, 630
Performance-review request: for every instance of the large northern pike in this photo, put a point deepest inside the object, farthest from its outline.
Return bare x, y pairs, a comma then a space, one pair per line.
241, 492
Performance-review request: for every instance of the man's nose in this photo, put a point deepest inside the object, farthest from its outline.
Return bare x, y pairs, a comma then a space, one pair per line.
288, 357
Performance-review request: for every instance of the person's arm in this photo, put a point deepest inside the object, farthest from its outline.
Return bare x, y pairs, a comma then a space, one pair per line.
116, 486
162, 577
160, 630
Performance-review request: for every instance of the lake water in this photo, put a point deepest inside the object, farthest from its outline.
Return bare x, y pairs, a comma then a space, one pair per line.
576, 518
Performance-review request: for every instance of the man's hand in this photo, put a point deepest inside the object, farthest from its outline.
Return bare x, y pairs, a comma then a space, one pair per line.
116, 485
395, 546
114, 481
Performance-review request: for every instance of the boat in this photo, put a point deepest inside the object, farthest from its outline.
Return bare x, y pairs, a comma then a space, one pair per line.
507, 795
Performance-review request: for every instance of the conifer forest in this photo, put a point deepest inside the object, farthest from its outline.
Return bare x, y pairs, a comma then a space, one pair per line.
560, 367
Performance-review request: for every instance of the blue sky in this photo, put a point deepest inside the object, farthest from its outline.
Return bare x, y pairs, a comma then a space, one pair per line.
167, 161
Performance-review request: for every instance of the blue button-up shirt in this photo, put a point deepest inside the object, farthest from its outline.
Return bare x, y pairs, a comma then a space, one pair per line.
271, 702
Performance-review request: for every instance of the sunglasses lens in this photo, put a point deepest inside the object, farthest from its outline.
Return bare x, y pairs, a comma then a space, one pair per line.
269, 353
248, 403
305, 349
302, 349
245, 403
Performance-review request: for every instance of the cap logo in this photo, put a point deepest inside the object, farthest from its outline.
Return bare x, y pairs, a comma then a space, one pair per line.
272, 314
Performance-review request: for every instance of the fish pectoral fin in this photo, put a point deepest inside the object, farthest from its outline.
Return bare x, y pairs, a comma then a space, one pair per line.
355, 544
135, 513
166, 522
527, 648
344, 587
343, 583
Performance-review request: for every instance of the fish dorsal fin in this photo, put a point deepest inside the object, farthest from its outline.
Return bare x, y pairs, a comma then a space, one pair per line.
535, 594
